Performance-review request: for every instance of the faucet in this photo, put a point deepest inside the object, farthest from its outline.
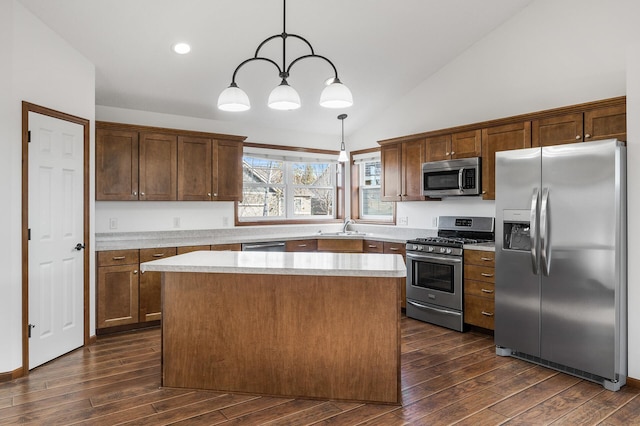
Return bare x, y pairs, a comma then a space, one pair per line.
347, 222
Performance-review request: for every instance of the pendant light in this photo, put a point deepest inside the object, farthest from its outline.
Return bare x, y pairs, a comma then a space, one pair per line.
283, 96
343, 157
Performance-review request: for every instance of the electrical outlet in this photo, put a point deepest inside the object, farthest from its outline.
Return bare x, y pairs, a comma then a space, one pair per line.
434, 222
176, 222
404, 221
113, 223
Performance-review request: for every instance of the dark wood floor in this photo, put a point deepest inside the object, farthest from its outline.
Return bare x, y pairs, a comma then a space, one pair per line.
447, 378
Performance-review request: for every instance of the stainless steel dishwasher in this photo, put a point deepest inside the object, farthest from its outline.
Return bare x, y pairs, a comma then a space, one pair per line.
264, 246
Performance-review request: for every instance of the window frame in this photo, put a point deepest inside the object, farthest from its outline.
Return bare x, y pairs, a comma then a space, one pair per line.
356, 192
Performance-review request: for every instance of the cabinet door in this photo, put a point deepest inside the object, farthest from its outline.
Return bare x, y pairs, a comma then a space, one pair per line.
158, 165
606, 123
227, 170
372, 246
413, 156
117, 295
342, 245
194, 169
500, 138
391, 164
557, 130
150, 301
189, 249
466, 144
116, 165
438, 148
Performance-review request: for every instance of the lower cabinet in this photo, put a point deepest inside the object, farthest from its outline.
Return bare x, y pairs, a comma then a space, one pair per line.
479, 288
150, 301
340, 245
301, 245
226, 247
373, 246
117, 290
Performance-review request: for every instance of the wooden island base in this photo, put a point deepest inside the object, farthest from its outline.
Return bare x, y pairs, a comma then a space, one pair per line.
329, 337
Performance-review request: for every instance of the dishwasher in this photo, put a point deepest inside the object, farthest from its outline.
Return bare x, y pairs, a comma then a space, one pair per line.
265, 246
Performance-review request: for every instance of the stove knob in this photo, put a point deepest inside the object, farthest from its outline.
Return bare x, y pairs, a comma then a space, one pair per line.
442, 249
430, 248
448, 251
414, 248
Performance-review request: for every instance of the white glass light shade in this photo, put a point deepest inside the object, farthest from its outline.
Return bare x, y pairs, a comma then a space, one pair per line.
233, 98
336, 95
343, 157
284, 97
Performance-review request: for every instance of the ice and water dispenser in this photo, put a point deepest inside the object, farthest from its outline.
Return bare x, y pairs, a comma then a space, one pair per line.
516, 230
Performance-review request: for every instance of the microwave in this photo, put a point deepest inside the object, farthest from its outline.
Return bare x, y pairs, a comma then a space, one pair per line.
452, 177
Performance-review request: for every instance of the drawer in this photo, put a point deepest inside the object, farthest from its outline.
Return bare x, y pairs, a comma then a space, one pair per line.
479, 273
371, 246
395, 248
188, 249
479, 311
118, 257
226, 247
480, 257
479, 288
147, 255
301, 245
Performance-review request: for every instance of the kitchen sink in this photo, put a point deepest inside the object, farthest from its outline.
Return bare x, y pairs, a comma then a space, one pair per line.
342, 234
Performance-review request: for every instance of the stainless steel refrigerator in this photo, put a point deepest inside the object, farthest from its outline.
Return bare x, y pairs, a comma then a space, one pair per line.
561, 258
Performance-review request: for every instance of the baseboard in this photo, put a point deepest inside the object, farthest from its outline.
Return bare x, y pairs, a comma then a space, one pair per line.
633, 383
93, 339
11, 375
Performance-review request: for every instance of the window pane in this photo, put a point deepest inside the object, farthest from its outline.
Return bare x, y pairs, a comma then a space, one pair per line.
317, 174
258, 170
266, 201
371, 173
313, 202
371, 204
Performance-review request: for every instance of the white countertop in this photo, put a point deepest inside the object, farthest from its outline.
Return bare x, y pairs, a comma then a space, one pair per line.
283, 263
481, 246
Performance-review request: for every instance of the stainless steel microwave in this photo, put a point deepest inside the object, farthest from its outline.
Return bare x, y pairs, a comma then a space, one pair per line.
452, 177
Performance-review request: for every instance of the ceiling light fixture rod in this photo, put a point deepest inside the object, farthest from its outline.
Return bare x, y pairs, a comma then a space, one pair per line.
336, 95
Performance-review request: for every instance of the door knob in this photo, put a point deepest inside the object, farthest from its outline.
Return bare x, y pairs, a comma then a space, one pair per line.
79, 246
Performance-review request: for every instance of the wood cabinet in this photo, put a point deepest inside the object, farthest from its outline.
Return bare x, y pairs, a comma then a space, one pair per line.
116, 165
398, 248
372, 246
479, 288
301, 245
226, 247
500, 138
340, 245
596, 124
457, 145
148, 163
189, 249
117, 288
150, 306
402, 171
209, 169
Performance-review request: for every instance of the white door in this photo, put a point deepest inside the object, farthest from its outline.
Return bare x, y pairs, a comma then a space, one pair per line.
56, 223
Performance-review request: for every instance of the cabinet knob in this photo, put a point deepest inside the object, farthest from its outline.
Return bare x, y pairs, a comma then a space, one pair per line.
452, 153
135, 193
578, 137
142, 194
208, 194
215, 194
587, 136
448, 153
135, 272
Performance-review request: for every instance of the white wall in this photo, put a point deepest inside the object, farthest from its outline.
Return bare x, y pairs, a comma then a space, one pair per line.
41, 68
554, 53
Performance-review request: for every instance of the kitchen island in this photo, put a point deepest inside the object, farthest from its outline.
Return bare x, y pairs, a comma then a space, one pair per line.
316, 325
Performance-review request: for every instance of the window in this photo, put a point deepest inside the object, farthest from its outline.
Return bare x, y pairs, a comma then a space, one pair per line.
277, 188
369, 175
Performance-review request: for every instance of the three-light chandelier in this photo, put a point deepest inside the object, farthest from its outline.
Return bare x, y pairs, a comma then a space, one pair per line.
283, 96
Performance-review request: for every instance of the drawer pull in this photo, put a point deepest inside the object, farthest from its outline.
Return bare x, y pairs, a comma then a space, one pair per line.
486, 275
119, 257
372, 246
487, 314
484, 290
486, 259
158, 255
394, 248
302, 245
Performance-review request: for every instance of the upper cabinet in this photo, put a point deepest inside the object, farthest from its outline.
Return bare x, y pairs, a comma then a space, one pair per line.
604, 122
402, 171
144, 163
455, 145
500, 138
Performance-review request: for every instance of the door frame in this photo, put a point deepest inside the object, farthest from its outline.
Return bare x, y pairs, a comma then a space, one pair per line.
26, 109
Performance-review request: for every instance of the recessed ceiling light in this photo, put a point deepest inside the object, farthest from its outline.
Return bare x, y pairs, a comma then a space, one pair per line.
181, 48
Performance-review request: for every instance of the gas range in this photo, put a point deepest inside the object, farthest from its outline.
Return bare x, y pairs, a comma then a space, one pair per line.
453, 233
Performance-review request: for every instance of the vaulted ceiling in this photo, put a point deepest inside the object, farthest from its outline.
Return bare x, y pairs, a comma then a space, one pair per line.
382, 49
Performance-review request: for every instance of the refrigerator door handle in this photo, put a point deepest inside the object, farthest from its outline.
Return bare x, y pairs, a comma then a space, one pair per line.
545, 244
533, 231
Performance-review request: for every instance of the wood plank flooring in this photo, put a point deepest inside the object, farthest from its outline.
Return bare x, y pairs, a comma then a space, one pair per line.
447, 378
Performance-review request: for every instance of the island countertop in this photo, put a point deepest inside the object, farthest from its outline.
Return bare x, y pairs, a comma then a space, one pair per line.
283, 263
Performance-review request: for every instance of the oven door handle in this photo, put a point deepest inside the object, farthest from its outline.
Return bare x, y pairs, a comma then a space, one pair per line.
439, 310
452, 260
